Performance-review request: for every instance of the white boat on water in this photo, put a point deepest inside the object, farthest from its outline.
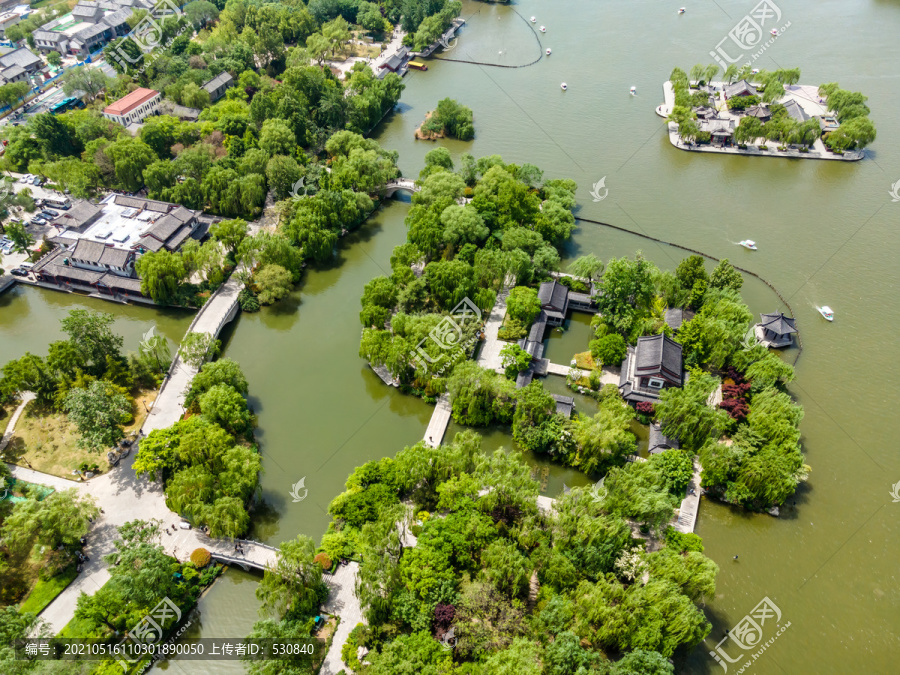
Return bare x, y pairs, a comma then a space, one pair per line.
748, 243
773, 32
543, 30
564, 86
548, 51
825, 311
533, 19
681, 11
633, 91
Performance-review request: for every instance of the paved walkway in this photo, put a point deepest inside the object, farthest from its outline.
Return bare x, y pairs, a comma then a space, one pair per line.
11, 427
440, 420
342, 601
690, 505
489, 356
124, 497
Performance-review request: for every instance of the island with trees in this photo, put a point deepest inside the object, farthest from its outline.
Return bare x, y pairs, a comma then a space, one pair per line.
764, 113
450, 120
464, 572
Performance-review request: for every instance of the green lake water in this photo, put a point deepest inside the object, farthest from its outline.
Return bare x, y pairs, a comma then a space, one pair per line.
827, 233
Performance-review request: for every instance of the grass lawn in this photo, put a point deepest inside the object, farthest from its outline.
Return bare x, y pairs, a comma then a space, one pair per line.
585, 361
44, 591
48, 442
348, 50
77, 628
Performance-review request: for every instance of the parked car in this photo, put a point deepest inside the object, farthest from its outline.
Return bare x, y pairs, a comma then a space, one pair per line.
19, 272
37, 181
50, 214
27, 178
37, 220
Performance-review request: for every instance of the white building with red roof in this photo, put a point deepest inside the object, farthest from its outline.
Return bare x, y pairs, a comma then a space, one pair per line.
133, 108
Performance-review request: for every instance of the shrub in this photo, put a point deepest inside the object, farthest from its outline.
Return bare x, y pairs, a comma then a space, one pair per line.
323, 559
512, 330
247, 300
201, 557
575, 285
609, 349
645, 408
683, 542
523, 305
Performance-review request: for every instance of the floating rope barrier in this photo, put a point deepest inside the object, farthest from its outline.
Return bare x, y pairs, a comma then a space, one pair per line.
710, 257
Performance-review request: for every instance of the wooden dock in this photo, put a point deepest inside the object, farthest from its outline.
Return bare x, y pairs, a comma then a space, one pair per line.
440, 420
690, 505
384, 374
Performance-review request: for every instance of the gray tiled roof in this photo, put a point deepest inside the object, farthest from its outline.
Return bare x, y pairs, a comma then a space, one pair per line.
739, 88
223, 78
659, 440
115, 19
164, 228
658, 354
778, 323
122, 283
759, 111
564, 404
796, 111
183, 214
676, 316
178, 238
88, 251
553, 295
149, 243
81, 214
132, 202
49, 36
536, 334
20, 57
115, 257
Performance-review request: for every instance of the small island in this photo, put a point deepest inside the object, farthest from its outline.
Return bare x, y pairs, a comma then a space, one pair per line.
764, 114
450, 120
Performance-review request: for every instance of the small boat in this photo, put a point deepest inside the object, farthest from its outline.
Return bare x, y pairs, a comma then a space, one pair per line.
543, 30
418, 65
548, 51
564, 86
748, 243
825, 311
755, 71
633, 91
533, 19
773, 32
681, 11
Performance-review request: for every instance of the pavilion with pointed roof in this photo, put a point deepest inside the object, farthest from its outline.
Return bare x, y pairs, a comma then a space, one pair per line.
775, 330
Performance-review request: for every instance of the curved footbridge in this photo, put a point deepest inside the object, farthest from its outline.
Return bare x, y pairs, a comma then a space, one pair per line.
405, 184
221, 308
